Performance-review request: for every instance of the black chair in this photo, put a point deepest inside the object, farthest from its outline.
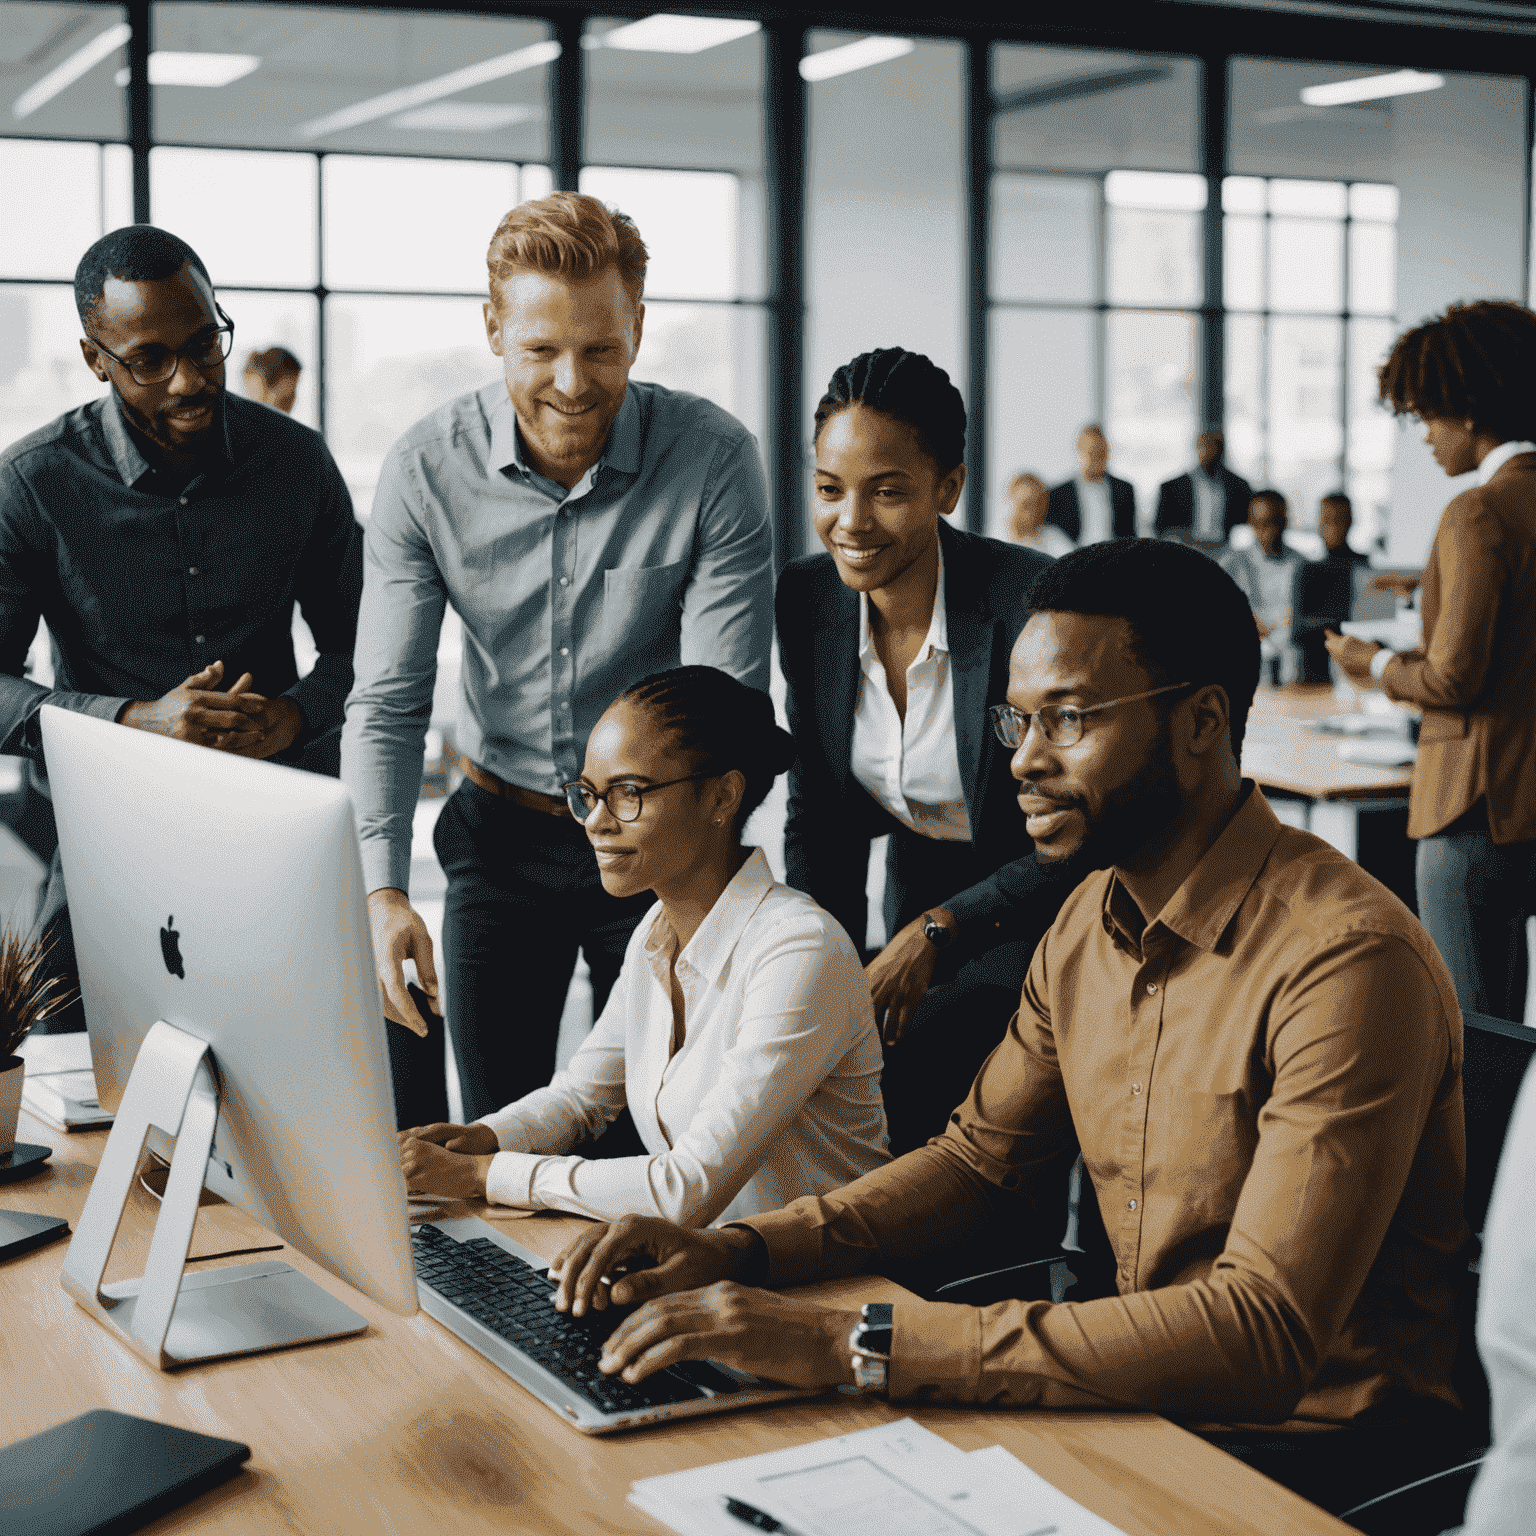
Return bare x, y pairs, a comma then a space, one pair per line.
1322, 597
1498, 1054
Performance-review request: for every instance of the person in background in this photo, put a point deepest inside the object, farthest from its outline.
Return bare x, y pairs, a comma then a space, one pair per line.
589, 530
1209, 501
1093, 505
1335, 517
891, 644
1256, 1045
164, 532
1028, 503
1504, 1493
272, 377
1470, 376
1267, 575
739, 1031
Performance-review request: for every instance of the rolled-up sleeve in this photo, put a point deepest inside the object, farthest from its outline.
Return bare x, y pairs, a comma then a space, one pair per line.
390, 706
728, 603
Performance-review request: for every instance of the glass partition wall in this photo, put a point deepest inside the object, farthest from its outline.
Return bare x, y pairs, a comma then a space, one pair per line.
341, 170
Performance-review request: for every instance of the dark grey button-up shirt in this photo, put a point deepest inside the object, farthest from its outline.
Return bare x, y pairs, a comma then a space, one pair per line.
145, 576
660, 556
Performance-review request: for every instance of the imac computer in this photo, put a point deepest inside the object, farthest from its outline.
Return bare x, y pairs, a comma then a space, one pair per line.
226, 969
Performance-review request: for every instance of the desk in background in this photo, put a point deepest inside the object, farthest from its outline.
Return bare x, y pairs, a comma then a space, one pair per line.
407, 1429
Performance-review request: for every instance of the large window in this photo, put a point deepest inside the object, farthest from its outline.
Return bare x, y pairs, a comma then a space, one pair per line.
1310, 289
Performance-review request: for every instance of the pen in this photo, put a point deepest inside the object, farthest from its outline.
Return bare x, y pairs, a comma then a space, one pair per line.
749, 1515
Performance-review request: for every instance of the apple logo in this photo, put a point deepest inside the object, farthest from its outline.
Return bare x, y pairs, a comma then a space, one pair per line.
170, 948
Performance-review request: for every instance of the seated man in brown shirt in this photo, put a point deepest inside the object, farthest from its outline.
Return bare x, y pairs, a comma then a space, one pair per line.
1256, 1044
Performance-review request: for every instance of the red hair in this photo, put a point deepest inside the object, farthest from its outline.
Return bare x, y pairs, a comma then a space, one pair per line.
569, 235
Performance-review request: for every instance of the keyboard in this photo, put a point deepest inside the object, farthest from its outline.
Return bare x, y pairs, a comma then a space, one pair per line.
515, 1301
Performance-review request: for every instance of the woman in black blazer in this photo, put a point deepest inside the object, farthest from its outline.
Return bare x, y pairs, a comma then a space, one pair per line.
887, 693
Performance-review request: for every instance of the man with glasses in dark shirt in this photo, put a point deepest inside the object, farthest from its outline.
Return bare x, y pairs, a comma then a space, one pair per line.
164, 531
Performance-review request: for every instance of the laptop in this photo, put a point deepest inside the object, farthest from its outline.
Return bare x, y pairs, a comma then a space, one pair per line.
498, 1298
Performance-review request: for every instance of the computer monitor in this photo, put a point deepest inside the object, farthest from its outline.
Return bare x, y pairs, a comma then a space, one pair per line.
226, 970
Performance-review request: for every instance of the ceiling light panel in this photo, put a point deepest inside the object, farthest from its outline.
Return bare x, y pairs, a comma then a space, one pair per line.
1401, 82
391, 103
466, 116
208, 70
664, 33
851, 56
64, 75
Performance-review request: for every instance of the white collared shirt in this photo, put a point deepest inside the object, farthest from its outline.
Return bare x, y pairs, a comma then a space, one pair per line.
910, 765
774, 1092
1497, 458
1210, 507
1095, 511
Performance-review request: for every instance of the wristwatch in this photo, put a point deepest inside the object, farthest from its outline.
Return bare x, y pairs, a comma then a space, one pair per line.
870, 1342
938, 934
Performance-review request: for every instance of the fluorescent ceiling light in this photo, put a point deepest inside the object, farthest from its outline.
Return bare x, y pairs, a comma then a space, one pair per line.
466, 116
1402, 82
393, 102
678, 34
64, 75
852, 56
205, 69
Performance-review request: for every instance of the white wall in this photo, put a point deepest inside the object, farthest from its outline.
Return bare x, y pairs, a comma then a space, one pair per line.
1457, 159
886, 199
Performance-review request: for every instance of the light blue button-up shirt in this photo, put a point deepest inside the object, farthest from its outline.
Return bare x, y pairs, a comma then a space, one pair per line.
661, 555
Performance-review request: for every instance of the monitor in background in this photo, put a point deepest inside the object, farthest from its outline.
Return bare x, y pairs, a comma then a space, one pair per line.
227, 974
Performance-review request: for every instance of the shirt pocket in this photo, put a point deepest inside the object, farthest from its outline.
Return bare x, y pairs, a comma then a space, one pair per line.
642, 606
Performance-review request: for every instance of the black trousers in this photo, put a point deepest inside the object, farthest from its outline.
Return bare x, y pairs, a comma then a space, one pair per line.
1343, 1468
523, 897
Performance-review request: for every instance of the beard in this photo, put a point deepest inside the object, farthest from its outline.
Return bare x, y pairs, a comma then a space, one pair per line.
156, 427
1130, 817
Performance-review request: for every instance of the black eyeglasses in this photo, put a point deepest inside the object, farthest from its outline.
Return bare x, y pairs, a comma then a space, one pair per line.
1060, 724
624, 801
154, 365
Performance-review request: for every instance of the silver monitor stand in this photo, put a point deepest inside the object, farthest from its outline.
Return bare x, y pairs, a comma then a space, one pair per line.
168, 1317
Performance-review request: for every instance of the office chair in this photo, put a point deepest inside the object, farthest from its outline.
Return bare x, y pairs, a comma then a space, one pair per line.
1498, 1054
1322, 597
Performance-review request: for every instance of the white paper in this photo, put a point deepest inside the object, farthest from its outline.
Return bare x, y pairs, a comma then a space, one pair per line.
893, 1480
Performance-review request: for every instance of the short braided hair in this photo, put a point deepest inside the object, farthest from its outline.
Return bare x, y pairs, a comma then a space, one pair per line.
567, 235
136, 253
721, 724
1476, 362
907, 387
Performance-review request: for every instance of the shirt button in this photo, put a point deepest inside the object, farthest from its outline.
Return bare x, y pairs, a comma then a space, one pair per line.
565, 650
1130, 1205
1151, 989
191, 570
564, 705
183, 501
1135, 1087
565, 581
200, 639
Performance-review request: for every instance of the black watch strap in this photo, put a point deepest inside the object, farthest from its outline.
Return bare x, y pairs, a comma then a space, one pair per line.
877, 1327
938, 934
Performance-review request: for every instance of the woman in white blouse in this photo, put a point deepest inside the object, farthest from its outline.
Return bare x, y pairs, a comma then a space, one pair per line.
739, 1032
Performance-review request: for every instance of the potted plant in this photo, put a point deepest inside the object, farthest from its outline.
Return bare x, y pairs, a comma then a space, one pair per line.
27, 997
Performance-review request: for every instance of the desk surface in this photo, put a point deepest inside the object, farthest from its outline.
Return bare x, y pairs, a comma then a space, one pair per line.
1281, 752
405, 1429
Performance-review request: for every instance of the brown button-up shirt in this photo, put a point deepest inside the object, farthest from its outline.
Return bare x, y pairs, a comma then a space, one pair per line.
1266, 1085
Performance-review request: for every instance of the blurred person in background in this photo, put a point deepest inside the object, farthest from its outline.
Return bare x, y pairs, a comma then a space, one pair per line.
1470, 376
1267, 574
588, 529
1335, 517
272, 377
1028, 503
164, 532
1209, 501
1094, 505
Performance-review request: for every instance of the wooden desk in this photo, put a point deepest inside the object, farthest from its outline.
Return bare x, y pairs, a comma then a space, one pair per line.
1280, 751
406, 1430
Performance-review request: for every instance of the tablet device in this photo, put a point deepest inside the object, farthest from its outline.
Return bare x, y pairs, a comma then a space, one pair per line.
105, 1473
21, 1230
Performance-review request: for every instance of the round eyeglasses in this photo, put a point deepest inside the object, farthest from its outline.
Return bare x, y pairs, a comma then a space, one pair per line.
154, 365
1060, 724
624, 801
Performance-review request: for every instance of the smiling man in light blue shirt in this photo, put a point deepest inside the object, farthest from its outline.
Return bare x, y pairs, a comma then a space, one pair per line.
588, 530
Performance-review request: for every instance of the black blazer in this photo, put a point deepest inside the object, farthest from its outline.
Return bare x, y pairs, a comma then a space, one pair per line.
1176, 502
831, 816
1067, 516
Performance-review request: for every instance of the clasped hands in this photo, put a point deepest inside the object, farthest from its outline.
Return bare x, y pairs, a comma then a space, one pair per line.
232, 720
451, 1162
693, 1307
